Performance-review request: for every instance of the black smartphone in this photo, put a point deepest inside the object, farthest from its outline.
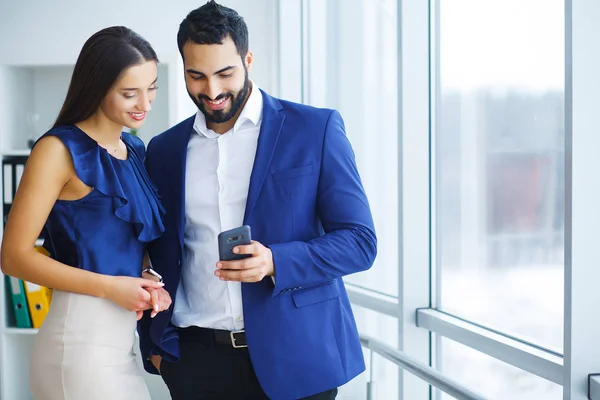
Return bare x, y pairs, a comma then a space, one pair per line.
231, 238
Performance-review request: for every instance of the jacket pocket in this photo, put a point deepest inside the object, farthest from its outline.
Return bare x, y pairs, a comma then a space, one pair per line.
292, 173
316, 295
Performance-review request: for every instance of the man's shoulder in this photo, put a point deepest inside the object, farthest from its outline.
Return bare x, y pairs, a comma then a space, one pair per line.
182, 128
292, 108
304, 109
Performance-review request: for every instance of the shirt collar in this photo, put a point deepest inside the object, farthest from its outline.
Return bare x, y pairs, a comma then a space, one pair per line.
252, 113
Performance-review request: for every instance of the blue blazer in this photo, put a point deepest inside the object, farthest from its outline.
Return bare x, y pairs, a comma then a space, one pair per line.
306, 203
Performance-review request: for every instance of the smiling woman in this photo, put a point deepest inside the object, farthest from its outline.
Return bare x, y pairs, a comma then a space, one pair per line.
85, 166
128, 101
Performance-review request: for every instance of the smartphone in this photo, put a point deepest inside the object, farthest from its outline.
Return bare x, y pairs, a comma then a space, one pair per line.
231, 238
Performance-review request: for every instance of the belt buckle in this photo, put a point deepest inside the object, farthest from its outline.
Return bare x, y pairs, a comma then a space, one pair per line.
232, 336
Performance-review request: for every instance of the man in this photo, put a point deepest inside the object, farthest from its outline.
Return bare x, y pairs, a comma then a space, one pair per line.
286, 170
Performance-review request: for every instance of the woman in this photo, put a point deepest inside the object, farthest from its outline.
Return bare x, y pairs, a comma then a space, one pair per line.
86, 186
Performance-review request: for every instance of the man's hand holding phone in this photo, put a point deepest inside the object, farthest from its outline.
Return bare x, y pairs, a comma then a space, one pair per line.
252, 269
256, 264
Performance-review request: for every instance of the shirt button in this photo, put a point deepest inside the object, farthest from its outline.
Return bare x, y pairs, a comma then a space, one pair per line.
239, 318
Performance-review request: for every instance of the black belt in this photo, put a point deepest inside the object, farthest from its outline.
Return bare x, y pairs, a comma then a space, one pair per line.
235, 339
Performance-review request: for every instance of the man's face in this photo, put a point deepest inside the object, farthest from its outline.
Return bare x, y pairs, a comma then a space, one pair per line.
216, 79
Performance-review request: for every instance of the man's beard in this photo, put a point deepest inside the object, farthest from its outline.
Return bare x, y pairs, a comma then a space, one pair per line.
220, 116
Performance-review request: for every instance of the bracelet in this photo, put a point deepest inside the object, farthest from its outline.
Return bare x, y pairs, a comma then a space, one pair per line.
152, 272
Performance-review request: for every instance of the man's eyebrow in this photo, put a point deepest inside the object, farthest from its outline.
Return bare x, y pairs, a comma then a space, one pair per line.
224, 69
194, 72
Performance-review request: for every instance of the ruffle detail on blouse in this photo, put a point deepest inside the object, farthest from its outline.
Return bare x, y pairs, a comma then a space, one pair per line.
134, 198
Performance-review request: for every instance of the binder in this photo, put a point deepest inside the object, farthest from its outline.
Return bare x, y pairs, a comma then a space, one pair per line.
38, 300
42, 250
12, 170
19, 169
19, 302
7, 175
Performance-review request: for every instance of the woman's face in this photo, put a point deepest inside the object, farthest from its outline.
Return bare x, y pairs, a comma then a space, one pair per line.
128, 101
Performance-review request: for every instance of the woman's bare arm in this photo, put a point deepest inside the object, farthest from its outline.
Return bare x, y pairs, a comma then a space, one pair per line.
48, 171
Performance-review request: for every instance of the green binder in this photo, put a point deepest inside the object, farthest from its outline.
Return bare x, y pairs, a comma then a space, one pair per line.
19, 302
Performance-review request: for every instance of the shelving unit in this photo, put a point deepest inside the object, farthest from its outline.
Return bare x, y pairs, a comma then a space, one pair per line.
20, 331
30, 98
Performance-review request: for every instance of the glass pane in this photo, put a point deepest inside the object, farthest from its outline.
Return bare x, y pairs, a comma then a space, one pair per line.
491, 377
385, 373
351, 62
500, 165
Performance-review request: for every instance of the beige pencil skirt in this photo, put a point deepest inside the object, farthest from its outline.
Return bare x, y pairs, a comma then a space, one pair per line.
84, 351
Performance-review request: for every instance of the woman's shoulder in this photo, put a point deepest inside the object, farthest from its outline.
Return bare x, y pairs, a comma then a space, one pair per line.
50, 154
57, 141
63, 132
71, 136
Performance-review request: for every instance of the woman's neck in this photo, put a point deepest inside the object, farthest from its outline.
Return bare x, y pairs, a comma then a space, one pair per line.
102, 130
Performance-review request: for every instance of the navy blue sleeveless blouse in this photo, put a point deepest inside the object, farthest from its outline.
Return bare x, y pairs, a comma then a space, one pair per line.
107, 230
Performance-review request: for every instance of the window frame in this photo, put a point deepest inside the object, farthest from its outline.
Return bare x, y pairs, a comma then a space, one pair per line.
420, 324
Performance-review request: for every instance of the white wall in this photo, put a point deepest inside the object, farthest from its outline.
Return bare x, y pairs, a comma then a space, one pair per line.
52, 32
50, 85
49, 37
15, 97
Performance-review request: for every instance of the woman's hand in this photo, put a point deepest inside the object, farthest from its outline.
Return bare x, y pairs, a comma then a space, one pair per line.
131, 293
160, 300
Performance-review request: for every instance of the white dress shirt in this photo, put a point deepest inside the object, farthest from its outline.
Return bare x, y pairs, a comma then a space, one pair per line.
217, 178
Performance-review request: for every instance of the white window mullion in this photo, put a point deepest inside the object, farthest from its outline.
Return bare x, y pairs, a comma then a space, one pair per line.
290, 50
582, 212
414, 186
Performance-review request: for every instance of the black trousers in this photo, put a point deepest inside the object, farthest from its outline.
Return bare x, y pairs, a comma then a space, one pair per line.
214, 371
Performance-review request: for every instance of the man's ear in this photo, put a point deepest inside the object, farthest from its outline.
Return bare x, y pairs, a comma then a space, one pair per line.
249, 59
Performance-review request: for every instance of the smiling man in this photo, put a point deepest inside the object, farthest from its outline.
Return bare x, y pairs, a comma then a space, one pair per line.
277, 324
218, 92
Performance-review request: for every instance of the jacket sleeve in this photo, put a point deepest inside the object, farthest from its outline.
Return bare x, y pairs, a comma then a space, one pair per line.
349, 243
147, 348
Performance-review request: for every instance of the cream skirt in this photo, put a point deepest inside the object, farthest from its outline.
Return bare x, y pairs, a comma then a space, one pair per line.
84, 351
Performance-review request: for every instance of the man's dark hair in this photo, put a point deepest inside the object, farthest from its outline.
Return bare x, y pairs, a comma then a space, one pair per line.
210, 24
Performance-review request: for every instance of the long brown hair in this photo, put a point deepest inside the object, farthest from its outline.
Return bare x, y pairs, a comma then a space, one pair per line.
103, 58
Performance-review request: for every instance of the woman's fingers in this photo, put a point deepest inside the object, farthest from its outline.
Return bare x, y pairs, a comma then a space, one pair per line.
155, 294
155, 303
160, 300
149, 283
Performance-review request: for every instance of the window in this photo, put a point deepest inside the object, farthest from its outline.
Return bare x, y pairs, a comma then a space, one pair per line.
384, 373
350, 63
500, 165
492, 378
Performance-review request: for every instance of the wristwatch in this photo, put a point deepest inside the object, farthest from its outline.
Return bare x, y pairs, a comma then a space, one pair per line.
152, 272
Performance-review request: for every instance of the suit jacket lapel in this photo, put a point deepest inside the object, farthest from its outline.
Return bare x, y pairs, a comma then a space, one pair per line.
179, 162
270, 128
